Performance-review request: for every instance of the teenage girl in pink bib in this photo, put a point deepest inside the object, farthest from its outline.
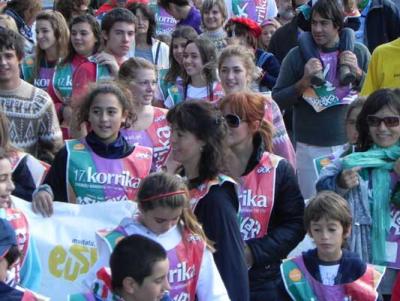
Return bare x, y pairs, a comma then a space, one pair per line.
151, 127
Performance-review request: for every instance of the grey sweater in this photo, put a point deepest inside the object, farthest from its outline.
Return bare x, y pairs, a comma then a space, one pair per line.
325, 128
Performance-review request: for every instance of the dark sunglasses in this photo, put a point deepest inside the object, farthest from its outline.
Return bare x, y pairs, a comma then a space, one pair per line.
233, 120
389, 121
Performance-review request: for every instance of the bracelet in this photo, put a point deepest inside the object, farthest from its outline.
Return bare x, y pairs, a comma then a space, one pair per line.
44, 187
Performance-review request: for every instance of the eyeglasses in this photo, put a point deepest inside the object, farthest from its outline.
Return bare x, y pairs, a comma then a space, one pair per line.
389, 121
233, 120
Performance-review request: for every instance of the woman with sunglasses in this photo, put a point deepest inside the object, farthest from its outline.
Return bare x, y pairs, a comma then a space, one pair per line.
198, 143
237, 69
271, 205
369, 180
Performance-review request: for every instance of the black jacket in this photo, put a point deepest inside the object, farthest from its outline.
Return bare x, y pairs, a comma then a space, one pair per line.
217, 212
285, 229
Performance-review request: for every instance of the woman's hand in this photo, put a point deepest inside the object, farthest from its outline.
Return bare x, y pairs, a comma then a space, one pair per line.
348, 178
42, 203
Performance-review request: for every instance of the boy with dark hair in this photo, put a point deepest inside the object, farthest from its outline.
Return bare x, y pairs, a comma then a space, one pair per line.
139, 272
139, 267
114, 16
11, 40
330, 272
183, 11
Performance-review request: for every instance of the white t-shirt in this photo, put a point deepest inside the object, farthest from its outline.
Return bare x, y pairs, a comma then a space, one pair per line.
328, 273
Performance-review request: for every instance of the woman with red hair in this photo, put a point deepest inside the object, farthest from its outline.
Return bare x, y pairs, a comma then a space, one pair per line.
271, 204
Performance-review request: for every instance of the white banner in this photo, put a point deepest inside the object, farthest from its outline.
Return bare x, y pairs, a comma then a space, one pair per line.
66, 241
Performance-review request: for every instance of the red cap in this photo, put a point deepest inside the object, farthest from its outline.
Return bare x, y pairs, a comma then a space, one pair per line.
253, 26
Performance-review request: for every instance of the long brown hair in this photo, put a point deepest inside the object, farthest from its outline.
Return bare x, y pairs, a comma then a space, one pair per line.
157, 186
61, 33
175, 70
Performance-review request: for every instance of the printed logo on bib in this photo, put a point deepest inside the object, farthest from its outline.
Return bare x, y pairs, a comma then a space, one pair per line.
182, 297
41, 82
142, 155
88, 200
164, 135
79, 146
246, 199
249, 228
181, 273
264, 170
65, 81
83, 177
295, 275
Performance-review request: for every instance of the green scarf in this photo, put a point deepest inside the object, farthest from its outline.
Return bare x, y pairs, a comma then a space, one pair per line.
381, 161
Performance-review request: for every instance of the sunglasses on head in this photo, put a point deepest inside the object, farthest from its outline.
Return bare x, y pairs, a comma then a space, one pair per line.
389, 121
233, 120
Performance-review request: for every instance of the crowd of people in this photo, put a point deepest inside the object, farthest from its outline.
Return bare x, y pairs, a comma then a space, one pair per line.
235, 133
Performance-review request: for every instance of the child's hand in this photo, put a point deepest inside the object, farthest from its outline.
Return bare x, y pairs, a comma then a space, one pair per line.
348, 178
42, 203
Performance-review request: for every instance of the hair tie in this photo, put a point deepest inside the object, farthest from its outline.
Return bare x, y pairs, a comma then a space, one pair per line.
163, 195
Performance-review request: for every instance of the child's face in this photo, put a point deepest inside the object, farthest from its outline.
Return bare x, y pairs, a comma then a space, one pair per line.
213, 18
6, 184
382, 134
105, 117
192, 61
328, 236
351, 131
154, 286
159, 220
178, 46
